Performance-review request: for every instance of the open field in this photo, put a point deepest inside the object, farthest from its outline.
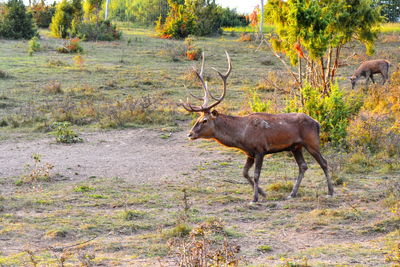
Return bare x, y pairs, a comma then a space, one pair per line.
119, 197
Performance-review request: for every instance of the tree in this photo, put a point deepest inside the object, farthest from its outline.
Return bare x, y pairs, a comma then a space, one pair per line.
390, 9
16, 23
314, 32
68, 15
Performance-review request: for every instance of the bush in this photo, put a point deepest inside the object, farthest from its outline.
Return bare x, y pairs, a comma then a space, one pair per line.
332, 112
42, 14
16, 23
377, 128
98, 31
71, 46
199, 17
64, 134
258, 105
34, 45
67, 16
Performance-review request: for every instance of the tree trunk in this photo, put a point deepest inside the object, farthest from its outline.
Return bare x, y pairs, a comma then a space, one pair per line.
261, 20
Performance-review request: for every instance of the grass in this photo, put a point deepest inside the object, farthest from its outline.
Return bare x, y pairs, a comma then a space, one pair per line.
131, 223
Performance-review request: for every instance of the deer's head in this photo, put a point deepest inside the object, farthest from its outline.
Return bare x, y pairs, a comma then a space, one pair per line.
204, 126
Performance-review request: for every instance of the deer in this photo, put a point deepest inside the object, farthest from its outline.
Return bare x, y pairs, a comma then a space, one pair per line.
367, 69
256, 134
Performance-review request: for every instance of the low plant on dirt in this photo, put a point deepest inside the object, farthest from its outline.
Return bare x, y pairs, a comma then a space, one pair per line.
37, 172
33, 45
206, 245
79, 61
64, 134
71, 46
4, 75
53, 87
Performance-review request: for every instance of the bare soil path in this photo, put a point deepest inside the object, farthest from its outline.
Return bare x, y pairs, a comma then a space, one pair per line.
137, 155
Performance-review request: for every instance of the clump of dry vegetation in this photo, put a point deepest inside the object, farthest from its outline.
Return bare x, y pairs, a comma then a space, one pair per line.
37, 172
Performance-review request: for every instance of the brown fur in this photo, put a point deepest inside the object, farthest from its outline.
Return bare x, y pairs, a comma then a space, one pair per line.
259, 134
368, 68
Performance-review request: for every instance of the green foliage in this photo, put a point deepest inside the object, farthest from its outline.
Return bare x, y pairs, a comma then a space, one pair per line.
42, 13
144, 12
257, 104
34, 45
313, 29
15, 22
196, 17
98, 31
71, 46
64, 134
331, 111
92, 10
68, 14
83, 189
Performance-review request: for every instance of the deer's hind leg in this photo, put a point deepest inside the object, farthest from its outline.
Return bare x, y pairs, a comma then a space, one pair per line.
247, 166
314, 151
298, 155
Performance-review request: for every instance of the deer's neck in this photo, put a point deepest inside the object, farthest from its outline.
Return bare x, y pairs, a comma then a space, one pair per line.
229, 130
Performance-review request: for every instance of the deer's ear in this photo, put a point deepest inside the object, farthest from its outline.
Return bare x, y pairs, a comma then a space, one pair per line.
214, 113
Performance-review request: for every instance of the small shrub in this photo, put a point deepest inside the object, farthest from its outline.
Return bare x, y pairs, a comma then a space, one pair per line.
55, 234
179, 230
53, 87
38, 172
79, 61
264, 248
130, 215
71, 46
257, 104
83, 188
34, 45
64, 134
193, 53
280, 187
205, 245
98, 31
246, 37
4, 75
332, 112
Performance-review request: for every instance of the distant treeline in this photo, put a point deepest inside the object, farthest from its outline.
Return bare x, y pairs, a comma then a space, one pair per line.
148, 12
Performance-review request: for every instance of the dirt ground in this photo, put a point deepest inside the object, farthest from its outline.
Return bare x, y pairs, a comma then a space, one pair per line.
138, 155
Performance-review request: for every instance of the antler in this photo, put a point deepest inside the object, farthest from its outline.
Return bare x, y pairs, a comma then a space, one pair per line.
207, 94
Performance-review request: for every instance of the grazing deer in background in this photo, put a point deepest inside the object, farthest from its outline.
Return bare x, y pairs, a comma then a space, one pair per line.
367, 69
257, 134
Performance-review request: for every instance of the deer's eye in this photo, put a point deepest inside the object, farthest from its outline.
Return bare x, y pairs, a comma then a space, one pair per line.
205, 121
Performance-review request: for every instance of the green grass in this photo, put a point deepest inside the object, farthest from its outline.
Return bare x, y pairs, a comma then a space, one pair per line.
266, 29
391, 28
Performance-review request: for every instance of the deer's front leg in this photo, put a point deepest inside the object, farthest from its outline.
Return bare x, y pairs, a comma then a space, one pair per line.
247, 166
257, 171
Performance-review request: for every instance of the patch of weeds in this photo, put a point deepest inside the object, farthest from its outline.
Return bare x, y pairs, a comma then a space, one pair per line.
264, 248
282, 187
4, 75
384, 226
130, 215
71, 46
179, 230
203, 244
55, 234
83, 188
98, 196
64, 134
38, 172
359, 162
56, 63
53, 87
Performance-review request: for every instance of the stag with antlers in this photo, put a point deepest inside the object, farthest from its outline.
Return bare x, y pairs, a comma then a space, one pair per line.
257, 134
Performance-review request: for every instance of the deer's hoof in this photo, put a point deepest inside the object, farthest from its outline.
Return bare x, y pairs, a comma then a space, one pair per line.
252, 203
